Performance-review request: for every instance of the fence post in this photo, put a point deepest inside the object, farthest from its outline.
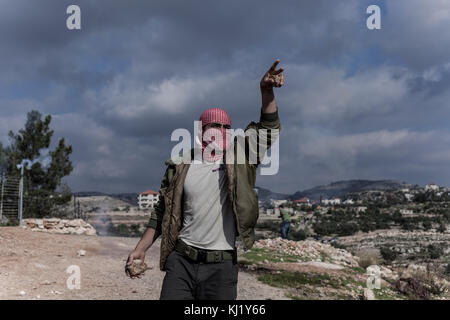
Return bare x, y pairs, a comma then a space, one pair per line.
21, 195
1, 200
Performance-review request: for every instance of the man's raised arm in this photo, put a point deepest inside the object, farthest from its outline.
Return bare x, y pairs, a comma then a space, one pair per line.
261, 135
272, 78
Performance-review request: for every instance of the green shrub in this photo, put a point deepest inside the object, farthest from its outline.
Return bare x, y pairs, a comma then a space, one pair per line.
388, 254
427, 225
338, 245
347, 229
447, 269
434, 251
298, 235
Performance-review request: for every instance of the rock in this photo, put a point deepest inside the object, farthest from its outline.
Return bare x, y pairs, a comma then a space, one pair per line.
60, 226
81, 253
55, 292
91, 232
71, 229
412, 269
266, 261
412, 288
138, 267
75, 223
277, 80
22, 293
50, 223
368, 294
309, 250
324, 265
80, 231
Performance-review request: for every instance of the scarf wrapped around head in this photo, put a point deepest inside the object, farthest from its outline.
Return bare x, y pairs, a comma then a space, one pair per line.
214, 141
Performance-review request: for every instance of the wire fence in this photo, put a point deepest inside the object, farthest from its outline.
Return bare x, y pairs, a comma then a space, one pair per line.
10, 203
9, 198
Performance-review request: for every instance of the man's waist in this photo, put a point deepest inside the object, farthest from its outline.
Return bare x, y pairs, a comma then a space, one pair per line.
203, 255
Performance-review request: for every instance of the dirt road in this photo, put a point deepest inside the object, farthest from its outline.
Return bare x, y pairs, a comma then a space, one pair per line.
33, 265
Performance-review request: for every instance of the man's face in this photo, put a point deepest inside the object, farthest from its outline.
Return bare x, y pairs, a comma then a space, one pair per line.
217, 135
216, 125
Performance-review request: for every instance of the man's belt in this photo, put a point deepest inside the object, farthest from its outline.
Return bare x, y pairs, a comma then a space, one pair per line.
205, 256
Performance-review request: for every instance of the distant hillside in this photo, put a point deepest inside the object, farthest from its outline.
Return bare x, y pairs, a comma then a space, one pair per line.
342, 188
334, 189
130, 198
266, 194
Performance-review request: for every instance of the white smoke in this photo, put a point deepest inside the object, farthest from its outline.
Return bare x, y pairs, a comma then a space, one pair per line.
44, 159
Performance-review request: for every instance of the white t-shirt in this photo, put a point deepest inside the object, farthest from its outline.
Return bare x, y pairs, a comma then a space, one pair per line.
208, 221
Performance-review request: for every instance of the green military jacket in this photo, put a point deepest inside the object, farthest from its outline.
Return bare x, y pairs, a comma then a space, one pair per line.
167, 218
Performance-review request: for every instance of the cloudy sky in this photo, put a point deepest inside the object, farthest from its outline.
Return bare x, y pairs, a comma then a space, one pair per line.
358, 103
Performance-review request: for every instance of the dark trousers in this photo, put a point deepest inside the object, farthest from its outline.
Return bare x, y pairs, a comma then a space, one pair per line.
189, 280
285, 226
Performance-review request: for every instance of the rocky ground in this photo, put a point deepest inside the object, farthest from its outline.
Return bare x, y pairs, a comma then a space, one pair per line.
404, 241
33, 265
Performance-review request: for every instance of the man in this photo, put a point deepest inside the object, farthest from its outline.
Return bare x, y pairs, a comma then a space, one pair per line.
286, 221
204, 205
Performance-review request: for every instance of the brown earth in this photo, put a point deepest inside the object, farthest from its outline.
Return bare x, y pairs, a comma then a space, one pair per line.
33, 266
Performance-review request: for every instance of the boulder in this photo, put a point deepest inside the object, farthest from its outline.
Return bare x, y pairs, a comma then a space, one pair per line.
91, 232
412, 288
80, 231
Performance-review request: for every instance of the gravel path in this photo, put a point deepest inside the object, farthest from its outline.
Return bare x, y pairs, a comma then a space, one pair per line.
33, 266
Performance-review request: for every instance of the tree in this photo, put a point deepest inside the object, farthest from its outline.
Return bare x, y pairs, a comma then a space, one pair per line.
46, 168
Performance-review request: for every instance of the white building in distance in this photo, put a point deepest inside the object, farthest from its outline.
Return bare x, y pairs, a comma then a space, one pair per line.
409, 196
276, 203
431, 187
148, 199
331, 201
406, 211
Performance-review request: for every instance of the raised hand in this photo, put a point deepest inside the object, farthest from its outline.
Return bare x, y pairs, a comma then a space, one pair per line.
272, 78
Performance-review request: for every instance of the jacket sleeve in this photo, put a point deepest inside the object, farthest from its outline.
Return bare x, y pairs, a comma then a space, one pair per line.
260, 136
156, 217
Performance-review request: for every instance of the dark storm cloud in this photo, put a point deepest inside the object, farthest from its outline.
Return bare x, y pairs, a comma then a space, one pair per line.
139, 69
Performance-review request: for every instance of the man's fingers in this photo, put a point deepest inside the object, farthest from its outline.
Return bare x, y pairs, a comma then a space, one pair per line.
274, 65
278, 71
130, 260
282, 80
